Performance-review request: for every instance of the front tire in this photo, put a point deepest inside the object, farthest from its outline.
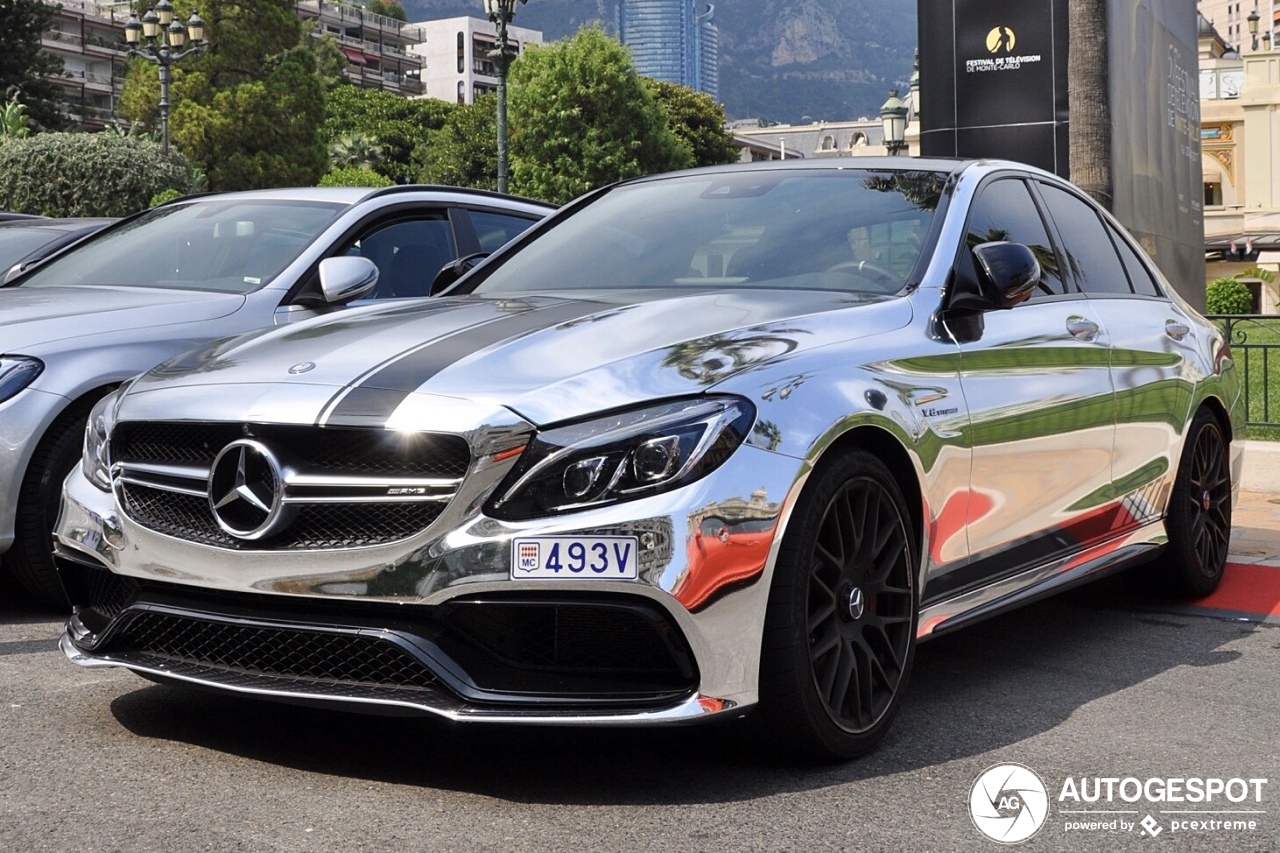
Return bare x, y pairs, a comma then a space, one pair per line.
840, 632
1199, 518
30, 560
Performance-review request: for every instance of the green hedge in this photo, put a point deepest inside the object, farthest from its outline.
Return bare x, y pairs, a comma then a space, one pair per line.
1227, 296
88, 174
354, 176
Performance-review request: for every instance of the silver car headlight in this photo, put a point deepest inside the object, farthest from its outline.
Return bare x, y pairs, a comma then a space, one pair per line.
16, 373
623, 456
95, 459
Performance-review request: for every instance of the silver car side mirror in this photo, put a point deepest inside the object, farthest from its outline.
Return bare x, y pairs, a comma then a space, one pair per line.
346, 278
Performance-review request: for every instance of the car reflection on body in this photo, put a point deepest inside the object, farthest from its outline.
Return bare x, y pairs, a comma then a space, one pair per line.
719, 443
191, 271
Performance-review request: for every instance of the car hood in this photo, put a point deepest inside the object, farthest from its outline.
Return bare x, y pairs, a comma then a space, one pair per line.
34, 317
547, 358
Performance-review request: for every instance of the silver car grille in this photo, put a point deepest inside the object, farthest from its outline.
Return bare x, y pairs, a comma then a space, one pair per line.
270, 487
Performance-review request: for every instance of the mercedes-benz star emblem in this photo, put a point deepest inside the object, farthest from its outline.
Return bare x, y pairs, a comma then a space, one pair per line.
246, 490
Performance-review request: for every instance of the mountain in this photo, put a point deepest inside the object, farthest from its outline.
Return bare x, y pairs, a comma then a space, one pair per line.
784, 60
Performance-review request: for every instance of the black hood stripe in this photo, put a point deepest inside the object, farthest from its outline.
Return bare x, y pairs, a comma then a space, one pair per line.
379, 394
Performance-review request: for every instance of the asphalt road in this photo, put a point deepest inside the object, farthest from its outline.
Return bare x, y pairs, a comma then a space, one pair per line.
1092, 685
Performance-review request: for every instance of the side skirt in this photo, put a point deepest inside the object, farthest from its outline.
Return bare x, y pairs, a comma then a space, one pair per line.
1133, 548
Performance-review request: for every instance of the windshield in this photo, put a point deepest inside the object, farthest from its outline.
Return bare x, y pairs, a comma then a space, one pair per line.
850, 230
18, 242
232, 246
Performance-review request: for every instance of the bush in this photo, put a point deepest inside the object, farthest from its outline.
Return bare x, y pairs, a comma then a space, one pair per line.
1227, 296
163, 196
355, 176
88, 174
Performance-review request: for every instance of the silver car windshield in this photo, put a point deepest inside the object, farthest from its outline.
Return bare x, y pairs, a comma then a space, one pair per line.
854, 230
231, 246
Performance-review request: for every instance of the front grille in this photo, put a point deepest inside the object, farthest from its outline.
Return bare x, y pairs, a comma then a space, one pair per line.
317, 526
343, 487
304, 654
338, 450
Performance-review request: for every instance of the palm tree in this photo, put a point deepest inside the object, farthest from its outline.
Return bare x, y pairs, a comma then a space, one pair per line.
13, 119
1087, 100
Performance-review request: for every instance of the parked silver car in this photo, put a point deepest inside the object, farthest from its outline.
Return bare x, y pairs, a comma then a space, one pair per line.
699, 445
185, 273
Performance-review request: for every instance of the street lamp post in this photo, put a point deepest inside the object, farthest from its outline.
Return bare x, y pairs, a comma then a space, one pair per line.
893, 118
501, 12
1253, 26
164, 38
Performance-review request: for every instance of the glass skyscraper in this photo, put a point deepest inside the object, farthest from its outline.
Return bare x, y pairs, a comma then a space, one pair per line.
671, 40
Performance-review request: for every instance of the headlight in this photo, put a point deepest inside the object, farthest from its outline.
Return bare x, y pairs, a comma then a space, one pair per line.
623, 456
16, 373
94, 459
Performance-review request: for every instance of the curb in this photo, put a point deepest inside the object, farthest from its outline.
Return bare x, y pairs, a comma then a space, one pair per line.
1261, 466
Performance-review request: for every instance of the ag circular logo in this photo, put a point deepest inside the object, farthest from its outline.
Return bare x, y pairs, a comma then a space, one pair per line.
1001, 39
1008, 803
246, 490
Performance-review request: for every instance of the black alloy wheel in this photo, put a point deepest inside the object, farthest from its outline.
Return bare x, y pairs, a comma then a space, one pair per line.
1199, 517
840, 634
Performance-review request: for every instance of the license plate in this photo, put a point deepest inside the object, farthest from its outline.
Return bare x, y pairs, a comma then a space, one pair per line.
575, 557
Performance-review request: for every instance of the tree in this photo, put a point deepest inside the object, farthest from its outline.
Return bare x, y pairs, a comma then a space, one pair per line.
462, 153
396, 125
24, 67
14, 122
388, 9
581, 117
248, 111
697, 121
1087, 100
354, 150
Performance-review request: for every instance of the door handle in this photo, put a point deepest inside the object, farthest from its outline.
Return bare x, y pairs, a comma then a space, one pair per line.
1082, 328
1176, 330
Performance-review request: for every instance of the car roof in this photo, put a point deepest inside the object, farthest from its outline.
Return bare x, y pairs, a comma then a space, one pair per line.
353, 195
63, 224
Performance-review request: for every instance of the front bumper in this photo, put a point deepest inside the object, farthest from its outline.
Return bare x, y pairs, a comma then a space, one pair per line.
682, 640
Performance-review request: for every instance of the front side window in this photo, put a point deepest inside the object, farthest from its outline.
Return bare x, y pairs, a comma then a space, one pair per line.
233, 246
1088, 249
1005, 212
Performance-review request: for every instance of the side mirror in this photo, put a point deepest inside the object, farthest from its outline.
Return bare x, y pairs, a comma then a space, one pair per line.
1007, 274
455, 270
346, 278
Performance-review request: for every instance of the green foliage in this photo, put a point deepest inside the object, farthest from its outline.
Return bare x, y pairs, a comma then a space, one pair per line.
463, 153
1257, 272
247, 112
87, 174
14, 123
331, 62
354, 176
354, 149
388, 9
1227, 296
24, 66
397, 125
581, 117
697, 121
163, 196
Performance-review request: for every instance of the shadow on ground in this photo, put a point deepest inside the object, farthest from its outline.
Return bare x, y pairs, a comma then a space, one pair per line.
978, 690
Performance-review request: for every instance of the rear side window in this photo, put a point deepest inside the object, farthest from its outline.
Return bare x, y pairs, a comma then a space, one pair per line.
1005, 212
1088, 248
1139, 276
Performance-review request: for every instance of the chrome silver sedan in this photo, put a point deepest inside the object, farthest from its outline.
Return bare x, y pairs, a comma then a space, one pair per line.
704, 445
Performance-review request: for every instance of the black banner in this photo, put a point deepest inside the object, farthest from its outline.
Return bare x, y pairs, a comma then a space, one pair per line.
1157, 182
993, 78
